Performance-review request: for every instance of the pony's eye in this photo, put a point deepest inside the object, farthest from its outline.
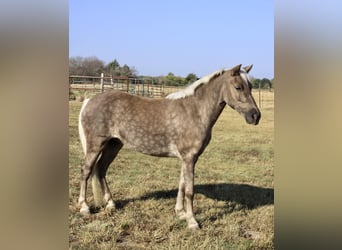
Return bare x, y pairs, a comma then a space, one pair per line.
238, 88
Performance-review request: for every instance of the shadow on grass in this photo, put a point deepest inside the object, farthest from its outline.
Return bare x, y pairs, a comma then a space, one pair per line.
246, 195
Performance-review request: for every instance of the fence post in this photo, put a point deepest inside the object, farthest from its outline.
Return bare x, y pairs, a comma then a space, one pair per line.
148, 87
127, 85
102, 86
259, 96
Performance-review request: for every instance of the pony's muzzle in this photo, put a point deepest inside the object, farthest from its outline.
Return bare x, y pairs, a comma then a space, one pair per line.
253, 117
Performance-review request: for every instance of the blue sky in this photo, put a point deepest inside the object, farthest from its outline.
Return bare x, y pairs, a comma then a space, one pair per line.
178, 36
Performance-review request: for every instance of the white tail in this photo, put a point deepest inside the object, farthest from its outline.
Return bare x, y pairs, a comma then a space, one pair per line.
80, 128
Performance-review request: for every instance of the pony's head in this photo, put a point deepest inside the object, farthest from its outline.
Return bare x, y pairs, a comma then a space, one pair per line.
237, 93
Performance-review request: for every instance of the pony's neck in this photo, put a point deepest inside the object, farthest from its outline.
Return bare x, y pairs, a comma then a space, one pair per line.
207, 101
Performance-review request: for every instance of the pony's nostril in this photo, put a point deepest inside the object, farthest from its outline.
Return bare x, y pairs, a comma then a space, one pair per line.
256, 116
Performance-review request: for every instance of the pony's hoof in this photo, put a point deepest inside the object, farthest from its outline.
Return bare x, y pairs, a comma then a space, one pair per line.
110, 206
85, 210
193, 226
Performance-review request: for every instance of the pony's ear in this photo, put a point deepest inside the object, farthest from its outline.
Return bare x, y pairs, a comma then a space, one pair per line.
248, 68
236, 70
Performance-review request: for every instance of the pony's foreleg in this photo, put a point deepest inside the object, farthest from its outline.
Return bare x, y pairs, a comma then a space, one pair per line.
180, 196
189, 168
186, 189
90, 160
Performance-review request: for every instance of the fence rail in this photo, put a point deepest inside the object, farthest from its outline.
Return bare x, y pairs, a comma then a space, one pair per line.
90, 85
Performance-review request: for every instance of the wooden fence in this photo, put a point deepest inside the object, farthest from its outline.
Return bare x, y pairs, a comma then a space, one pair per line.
91, 85
87, 86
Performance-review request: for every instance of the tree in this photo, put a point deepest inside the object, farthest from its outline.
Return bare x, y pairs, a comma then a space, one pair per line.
266, 83
256, 83
191, 78
173, 80
114, 64
170, 79
262, 83
126, 71
113, 68
75, 65
85, 66
134, 71
93, 66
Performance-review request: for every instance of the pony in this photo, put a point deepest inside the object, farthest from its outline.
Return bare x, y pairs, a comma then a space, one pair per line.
179, 125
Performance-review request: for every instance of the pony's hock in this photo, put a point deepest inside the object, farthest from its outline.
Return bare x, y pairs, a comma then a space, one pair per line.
178, 126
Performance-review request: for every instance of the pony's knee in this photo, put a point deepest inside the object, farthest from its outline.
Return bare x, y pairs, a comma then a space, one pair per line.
189, 195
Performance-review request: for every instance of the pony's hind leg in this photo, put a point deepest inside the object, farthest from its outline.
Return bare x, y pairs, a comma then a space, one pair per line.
86, 170
109, 152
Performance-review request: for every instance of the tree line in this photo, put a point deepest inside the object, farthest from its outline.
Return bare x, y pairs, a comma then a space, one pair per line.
92, 66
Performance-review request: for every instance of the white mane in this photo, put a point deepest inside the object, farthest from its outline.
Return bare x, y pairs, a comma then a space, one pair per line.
190, 90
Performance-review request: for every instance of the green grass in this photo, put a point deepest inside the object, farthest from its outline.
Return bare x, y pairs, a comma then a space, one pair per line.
234, 200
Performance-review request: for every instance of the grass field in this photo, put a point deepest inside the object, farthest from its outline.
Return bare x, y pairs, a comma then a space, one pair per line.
234, 200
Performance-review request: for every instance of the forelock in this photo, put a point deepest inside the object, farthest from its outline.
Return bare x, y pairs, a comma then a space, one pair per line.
245, 77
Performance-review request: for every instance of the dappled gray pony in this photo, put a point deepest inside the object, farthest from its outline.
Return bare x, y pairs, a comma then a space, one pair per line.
178, 126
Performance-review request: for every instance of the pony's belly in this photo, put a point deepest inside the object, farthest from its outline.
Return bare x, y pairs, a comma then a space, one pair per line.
154, 148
